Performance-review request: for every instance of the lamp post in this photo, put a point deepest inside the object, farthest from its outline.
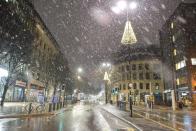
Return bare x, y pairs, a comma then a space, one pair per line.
106, 66
128, 35
106, 79
78, 75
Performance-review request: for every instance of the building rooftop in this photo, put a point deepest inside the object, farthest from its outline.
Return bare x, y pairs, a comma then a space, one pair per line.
134, 52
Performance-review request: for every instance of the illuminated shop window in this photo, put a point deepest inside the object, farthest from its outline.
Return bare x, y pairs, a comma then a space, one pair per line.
193, 61
173, 38
175, 52
172, 25
177, 81
180, 64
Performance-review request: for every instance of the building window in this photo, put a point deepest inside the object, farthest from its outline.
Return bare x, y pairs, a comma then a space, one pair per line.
134, 85
180, 64
133, 67
129, 76
44, 46
134, 76
140, 66
172, 25
175, 52
119, 69
127, 67
156, 76
141, 86
181, 80
147, 66
147, 86
193, 61
147, 76
177, 81
123, 77
157, 86
141, 77
124, 87
123, 68
173, 38
120, 87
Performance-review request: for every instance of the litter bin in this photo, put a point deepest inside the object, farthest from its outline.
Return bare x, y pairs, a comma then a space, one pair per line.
123, 105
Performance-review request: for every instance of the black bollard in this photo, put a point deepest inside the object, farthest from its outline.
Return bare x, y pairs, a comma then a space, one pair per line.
54, 106
50, 107
130, 106
30, 108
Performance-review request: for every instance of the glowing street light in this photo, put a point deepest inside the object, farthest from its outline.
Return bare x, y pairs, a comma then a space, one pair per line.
122, 5
106, 77
106, 64
79, 78
133, 5
116, 10
80, 70
128, 35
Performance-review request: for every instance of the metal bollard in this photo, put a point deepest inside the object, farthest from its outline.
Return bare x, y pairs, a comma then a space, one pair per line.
54, 106
130, 106
57, 105
30, 108
50, 107
61, 105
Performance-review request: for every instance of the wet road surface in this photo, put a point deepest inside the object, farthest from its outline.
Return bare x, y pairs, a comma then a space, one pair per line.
180, 121
78, 118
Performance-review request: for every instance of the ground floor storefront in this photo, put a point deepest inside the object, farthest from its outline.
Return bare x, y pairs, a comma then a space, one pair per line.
141, 98
21, 91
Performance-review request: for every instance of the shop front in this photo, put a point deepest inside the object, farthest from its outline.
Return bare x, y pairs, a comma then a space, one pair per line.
16, 93
35, 89
167, 97
184, 95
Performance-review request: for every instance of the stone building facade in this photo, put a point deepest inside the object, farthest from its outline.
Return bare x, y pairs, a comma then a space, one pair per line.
137, 72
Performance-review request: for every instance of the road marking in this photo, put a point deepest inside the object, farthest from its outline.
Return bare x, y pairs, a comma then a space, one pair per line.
164, 118
157, 122
122, 119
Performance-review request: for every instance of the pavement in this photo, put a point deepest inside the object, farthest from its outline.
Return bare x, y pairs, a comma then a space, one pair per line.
180, 119
17, 110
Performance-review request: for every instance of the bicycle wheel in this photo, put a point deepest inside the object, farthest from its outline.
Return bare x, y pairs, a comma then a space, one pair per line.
40, 108
28, 109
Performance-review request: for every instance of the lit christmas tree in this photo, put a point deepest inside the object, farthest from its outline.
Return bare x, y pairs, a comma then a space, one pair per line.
128, 35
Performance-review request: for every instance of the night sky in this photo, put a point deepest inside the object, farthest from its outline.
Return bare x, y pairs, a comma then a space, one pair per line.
88, 31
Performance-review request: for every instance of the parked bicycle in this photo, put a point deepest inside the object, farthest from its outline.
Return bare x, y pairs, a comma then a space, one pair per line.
41, 107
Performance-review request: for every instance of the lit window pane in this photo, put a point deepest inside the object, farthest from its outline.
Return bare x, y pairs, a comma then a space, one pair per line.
193, 61
172, 25
175, 52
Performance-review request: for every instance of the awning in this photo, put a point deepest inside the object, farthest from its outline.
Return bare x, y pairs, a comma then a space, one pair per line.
21, 83
37, 83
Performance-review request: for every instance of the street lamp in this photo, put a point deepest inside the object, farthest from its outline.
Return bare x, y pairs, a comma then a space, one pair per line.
133, 5
122, 5
128, 35
80, 70
106, 64
79, 78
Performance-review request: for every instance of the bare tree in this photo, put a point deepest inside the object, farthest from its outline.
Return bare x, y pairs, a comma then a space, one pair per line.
15, 45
